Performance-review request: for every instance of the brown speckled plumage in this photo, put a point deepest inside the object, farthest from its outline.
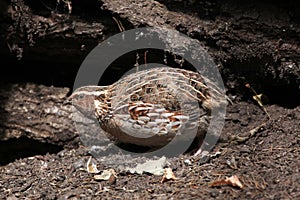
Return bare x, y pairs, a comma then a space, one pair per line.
148, 108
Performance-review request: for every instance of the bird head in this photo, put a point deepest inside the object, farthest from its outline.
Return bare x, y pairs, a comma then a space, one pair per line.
83, 98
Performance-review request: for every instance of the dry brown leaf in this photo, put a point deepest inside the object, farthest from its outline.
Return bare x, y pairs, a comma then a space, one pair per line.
107, 175
257, 98
168, 175
91, 167
232, 181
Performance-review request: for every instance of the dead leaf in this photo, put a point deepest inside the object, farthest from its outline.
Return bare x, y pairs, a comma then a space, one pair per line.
91, 167
232, 181
168, 175
155, 167
107, 175
257, 98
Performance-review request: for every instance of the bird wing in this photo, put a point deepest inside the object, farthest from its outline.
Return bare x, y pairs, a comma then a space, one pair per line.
147, 119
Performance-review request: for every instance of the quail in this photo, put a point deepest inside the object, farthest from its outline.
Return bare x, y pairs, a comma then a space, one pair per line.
150, 107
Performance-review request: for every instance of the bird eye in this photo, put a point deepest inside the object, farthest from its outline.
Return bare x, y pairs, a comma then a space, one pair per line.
80, 96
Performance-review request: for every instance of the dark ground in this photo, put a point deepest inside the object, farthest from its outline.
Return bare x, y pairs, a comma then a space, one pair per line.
267, 165
256, 47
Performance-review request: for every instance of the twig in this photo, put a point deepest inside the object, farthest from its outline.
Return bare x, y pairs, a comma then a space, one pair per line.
257, 98
121, 27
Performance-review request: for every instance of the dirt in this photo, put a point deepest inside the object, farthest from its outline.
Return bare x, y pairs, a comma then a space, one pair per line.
267, 165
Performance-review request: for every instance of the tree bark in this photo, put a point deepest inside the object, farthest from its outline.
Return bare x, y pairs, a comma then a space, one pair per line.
257, 43
36, 112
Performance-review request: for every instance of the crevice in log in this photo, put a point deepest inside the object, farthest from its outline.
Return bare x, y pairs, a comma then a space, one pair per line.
265, 78
148, 57
23, 147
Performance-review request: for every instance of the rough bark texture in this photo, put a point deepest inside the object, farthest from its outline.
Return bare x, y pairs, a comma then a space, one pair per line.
250, 43
36, 112
256, 42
